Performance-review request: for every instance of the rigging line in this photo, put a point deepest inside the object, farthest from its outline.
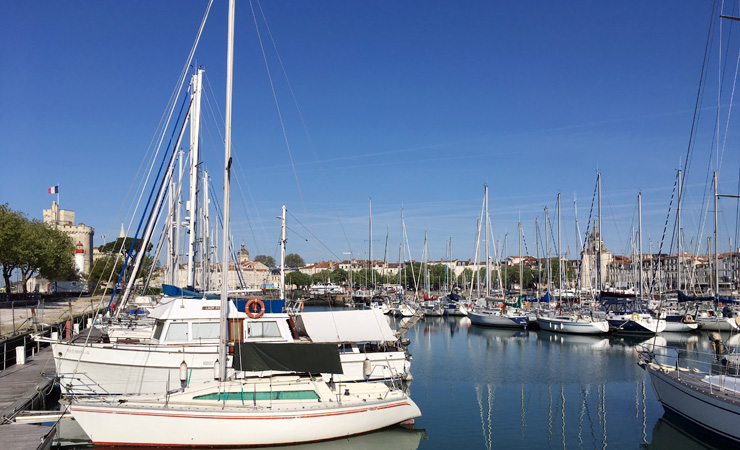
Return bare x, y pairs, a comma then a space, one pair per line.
314, 236
303, 121
282, 124
146, 207
729, 113
240, 167
171, 106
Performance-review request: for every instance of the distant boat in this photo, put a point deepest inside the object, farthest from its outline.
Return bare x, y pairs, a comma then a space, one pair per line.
328, 288
573, 324
499, 317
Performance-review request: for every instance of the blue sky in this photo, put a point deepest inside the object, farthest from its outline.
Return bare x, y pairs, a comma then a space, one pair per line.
417, 104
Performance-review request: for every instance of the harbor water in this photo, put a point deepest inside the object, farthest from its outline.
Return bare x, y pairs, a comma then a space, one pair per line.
488, 388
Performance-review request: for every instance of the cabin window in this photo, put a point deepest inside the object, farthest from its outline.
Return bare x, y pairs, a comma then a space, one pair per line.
250, 396
206, 330
177, 332
267, 329
158, 329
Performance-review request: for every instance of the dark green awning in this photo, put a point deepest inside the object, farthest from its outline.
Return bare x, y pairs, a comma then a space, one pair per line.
289, 357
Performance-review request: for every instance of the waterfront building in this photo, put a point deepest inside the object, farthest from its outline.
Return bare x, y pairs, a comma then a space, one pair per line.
80, 234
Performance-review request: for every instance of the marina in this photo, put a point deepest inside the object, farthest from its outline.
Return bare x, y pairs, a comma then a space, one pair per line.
170, 333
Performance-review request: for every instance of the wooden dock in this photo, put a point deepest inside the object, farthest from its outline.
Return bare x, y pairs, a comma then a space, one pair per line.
23, 387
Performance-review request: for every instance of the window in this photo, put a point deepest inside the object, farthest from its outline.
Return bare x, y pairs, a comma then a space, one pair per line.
158, 329
250, 396
206, 330
177, 332
268, 329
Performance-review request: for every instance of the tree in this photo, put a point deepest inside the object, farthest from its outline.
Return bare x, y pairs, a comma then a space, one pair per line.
294, 260
11, 237
33, 247
269, 261
297, 278
115, 246
339, 276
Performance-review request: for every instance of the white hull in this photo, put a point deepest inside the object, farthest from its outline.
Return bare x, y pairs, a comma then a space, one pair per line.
717, 323
692, 399
108, 369
184, 422
491, 319
680, 327
573, 326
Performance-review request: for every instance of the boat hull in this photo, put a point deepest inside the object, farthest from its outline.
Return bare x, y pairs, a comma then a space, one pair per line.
495, 320
214, 427
573, 327
713, 410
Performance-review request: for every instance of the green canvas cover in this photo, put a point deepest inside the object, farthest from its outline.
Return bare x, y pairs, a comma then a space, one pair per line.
289, 357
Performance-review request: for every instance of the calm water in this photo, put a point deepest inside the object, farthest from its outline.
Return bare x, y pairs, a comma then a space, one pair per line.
488, 388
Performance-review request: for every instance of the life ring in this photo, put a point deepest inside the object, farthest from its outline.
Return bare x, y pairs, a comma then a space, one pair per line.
688, 319
257, 313
635, 316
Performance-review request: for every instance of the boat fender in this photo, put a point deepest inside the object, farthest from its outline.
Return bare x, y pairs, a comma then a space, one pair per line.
635, 316
367, 368
255, 308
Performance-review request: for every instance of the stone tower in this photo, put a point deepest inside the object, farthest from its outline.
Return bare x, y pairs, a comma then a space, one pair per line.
80, 234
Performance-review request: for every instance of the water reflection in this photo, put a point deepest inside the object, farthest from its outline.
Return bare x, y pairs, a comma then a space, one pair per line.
670, 433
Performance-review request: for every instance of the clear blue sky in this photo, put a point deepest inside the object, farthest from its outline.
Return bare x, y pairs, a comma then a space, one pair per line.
416, 104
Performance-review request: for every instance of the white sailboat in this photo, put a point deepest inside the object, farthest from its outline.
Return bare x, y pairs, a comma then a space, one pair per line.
252, 411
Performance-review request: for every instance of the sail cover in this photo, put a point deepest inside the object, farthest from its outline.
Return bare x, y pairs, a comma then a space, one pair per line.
289, 357
346, 326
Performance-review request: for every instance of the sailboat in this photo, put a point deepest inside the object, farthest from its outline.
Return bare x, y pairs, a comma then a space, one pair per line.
270, 410
504, 315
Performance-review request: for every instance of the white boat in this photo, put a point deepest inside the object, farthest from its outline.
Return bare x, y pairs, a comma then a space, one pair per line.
328, 288
711, 321
499, 318
285, 409
573, 324
635, 323
707, 400
187, 331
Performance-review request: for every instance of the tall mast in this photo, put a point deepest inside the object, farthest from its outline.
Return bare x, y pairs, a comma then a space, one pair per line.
539, 263
678, 219
176, 226
283, 241
171, 232
639, 242
227, 196
521, 262
488, 256
206, 266
547, 253
716, 265
560, 269
370, 245
192, 205
598, 253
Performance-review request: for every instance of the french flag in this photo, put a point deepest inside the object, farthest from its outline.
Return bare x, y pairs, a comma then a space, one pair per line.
54, 189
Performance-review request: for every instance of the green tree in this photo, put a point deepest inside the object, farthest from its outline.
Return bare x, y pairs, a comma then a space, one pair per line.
339, 276
297, 278
11, 236
56, 263
294, 260
115, 246
269, 261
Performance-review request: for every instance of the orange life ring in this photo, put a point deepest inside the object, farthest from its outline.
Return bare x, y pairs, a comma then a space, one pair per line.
252, 311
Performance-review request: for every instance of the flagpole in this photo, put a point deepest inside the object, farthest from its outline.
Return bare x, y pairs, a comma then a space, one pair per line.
58, 196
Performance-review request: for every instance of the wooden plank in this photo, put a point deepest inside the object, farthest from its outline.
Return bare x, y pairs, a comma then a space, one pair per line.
19, 384
26, 437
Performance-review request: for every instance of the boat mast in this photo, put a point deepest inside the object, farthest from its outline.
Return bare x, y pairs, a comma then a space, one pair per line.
227, 196
716, 261
371, 273
539, 263
192, 205
639, 242
176, 225
488, 256
547, 253
521, 262
598, 253
560, 258
678, 220
206, 266
283, 241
